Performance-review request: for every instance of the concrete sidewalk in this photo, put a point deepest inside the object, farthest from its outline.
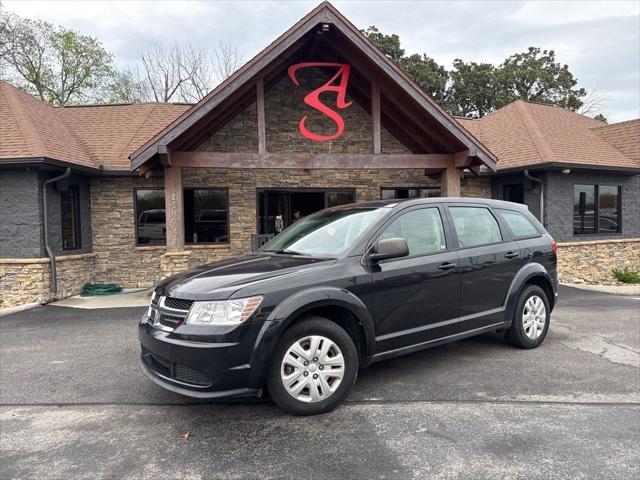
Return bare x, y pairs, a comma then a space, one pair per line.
128, 298
612, 289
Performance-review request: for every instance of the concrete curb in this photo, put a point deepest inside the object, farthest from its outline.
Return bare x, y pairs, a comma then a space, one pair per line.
19, 308
611, 289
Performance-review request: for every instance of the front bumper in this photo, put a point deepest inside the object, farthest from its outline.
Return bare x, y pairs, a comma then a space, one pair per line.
204, 366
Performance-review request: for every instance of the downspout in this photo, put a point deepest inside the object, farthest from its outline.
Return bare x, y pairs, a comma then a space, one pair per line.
54, 282
537, 180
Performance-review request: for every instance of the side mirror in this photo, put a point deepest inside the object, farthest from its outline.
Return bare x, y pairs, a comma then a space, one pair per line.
389, 248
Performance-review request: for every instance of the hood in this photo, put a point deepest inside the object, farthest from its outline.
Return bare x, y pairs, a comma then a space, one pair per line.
226, 276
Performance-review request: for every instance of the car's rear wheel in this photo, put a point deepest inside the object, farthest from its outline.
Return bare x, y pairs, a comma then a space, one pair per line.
314, 366
530, 320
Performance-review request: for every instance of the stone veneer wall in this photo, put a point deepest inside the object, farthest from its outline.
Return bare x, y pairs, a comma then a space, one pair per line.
284, 107
113, 225
26, 281
592, 261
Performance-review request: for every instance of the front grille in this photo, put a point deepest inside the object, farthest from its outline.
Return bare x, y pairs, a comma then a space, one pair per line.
177, 303
170, 320
169, 313
191, 375
176, 371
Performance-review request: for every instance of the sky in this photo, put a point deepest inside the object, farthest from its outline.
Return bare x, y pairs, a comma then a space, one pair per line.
599, 40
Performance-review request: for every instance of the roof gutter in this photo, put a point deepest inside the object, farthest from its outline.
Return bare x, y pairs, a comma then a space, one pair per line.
537, 180
54, 281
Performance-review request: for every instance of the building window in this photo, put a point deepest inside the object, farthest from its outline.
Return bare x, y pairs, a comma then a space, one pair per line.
596, 209
151, 226
410, 192
513, 193
70, 215
206, 215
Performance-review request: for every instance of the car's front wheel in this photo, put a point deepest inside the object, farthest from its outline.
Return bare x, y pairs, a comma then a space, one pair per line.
531, 319
314, 366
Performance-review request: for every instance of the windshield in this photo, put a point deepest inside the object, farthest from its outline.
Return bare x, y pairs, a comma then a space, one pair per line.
328, 233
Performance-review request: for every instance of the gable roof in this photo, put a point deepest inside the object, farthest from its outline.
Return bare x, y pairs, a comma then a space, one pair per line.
526, 134
323, 13
97, 137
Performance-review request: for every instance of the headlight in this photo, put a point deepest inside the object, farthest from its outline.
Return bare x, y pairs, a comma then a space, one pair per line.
229, 312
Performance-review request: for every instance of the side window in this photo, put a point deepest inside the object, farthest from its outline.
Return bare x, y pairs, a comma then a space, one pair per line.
475, 226
519, 225
70, 213
422, 229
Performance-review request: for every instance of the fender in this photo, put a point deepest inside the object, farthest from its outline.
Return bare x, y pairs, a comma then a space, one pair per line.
286, 312
528, 271
308, 299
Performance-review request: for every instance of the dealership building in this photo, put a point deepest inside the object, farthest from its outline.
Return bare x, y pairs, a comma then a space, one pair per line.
132, 193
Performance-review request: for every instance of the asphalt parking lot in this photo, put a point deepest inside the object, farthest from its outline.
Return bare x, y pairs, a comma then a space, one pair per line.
74, 404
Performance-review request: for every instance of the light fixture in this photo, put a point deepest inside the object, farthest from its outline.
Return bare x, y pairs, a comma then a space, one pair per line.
566, 171
325, 27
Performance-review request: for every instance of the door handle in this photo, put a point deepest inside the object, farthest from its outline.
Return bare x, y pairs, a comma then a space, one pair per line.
511, 255
447, 266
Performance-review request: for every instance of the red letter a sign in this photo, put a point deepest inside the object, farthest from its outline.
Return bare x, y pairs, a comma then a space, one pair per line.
313, 98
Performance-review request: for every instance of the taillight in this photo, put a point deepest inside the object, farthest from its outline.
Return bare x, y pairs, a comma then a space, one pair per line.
554, 247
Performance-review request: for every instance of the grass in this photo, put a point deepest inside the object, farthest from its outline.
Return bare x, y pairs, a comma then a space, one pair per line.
626, 275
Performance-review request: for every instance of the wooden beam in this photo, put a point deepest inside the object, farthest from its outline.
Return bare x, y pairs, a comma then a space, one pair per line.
262, 131
174, 208
450, 181
375, 117
462, 159
204, 159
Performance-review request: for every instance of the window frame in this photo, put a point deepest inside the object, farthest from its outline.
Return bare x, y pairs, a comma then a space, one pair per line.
504, 233
135, 218
78, 233
409, 188
511, 233
445, 226
226, 192
596, 187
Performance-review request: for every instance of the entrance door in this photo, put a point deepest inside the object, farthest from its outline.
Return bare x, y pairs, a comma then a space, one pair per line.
277, 209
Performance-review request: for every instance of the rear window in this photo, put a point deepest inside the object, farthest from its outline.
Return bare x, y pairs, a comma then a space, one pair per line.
475, 226
520, 226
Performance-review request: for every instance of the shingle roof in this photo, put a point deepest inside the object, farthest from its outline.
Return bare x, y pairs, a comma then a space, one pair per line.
526, 134
625, 136
97, 136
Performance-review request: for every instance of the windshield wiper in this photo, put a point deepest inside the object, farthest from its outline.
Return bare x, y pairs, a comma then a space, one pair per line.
285, 251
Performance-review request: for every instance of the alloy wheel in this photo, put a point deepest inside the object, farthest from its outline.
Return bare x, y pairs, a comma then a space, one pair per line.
312, 368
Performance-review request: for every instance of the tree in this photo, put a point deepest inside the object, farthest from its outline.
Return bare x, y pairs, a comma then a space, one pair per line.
388, 44
174, 72
594, 103
473, 91
430, 77
58, 65
601, 117
536, 76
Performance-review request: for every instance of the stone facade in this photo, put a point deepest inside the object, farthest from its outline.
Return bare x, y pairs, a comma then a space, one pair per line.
27, 281
119, 260
284, 107
591, 262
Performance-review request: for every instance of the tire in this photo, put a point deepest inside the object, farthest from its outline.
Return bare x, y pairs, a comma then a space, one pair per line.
332, 383
526, 330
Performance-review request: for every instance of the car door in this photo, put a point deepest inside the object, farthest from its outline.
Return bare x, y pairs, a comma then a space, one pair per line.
416, 297
489, 260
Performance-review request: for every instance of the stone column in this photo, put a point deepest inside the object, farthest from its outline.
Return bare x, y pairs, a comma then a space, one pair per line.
174, 206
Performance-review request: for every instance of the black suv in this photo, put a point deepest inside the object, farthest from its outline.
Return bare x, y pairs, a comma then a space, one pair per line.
346, 287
